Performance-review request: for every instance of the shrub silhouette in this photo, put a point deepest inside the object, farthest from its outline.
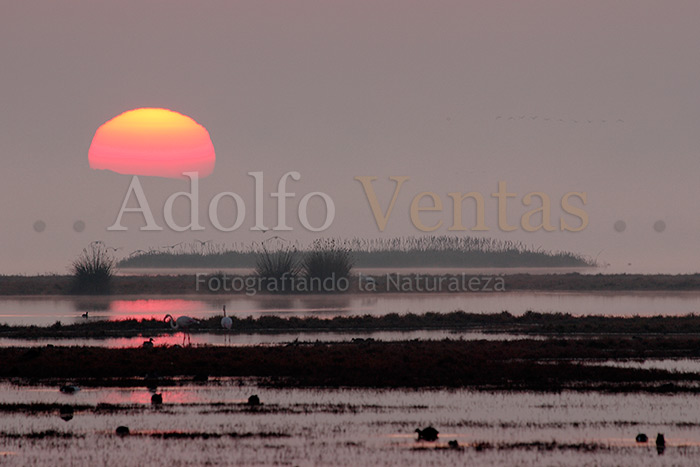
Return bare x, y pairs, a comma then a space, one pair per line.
93, 270
328, 258
280, 264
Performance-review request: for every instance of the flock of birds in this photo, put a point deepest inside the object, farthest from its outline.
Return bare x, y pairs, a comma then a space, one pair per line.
184, 323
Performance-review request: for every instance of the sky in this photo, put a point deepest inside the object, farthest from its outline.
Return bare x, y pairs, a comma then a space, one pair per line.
456, 95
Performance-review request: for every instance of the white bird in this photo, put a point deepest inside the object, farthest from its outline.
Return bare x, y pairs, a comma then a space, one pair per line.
226, 321
184, 323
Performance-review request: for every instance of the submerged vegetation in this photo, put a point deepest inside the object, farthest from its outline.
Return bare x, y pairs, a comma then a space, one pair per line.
398, 252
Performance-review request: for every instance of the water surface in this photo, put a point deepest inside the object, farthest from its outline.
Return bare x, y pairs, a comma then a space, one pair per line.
44, 311
349, 427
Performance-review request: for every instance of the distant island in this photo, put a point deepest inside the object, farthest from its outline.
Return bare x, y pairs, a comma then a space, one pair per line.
397, 252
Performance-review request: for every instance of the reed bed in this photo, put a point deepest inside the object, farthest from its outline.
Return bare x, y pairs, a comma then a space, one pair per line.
399, 252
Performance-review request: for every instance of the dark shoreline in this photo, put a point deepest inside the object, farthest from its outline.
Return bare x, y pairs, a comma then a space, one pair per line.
542, 365
186, 284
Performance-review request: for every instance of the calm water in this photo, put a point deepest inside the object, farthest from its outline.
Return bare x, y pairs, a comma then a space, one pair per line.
46, 311
349, 427
233, 340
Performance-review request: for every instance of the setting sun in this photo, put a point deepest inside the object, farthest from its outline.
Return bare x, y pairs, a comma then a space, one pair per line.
152, 141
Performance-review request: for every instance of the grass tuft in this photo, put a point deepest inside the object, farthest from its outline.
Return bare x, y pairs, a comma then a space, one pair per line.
93, 270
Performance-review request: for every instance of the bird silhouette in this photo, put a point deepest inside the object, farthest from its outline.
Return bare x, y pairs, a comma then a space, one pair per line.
660, 443
427, 434
183, 323
148, 344
641, 438
660, 440
69, 389
85, 315
226, 321
66, 413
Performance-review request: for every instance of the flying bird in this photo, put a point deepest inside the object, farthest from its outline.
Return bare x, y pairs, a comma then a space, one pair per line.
184, 323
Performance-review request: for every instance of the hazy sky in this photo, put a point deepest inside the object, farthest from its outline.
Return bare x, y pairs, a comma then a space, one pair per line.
337, 89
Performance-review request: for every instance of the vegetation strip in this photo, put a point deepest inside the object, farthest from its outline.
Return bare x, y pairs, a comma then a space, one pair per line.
186, 284
513, 365
556, 324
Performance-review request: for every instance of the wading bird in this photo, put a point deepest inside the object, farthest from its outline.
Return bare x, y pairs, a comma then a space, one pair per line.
226, 321
183, 323
427, 434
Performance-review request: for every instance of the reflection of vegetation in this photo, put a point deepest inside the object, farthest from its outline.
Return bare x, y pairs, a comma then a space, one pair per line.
399, 252
328, 259
93, 270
